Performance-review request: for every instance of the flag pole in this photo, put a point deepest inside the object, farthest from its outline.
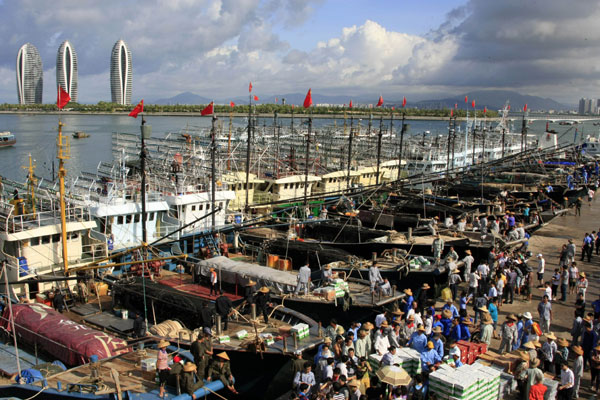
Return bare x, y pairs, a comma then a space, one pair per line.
213, 169
248, 148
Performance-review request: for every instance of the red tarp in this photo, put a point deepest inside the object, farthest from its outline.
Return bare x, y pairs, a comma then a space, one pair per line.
65, 339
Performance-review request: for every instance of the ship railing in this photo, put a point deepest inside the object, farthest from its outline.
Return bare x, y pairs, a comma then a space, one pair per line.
12, 222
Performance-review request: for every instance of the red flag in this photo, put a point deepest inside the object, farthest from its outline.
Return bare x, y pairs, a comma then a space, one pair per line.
293, 106
138, 109
308, 99
404, 101
255, 98
509, 107
63, 98
380, 101
250, 87
231, 104
466, 99
525, 108
455, 105
275, 99
393, 108
350, 105
208, 110
484, 110
473, 104
451, 113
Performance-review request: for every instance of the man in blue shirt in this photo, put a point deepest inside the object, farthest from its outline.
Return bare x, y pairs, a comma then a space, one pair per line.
429, 358
457, 362
587, 247
446, 321
596, 307
438, 344
408, 301
450, 306
418, 340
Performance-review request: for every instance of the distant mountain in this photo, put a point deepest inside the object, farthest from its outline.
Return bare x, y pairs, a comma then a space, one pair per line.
494, 100
183, 98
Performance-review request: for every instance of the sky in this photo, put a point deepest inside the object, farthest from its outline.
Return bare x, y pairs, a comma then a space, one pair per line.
395, 48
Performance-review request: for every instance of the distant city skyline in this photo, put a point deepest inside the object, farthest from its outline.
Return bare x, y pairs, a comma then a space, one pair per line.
213, 48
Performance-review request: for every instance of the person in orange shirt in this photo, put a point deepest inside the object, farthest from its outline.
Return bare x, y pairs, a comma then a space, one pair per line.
537, 391
213, 282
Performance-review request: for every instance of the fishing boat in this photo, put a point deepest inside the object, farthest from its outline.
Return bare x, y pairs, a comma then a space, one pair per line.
345, 298
7, 139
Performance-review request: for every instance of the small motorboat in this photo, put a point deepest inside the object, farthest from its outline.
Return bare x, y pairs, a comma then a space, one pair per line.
7, 139
80, 135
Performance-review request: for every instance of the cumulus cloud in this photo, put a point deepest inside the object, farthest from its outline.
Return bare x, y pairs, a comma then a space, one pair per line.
214, 47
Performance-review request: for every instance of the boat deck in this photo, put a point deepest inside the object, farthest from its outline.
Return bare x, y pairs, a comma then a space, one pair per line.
127, 367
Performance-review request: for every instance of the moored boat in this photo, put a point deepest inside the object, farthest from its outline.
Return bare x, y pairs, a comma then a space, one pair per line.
7, 139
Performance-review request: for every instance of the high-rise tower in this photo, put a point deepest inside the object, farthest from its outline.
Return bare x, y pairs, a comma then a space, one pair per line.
66, 69
120, 73
30, 75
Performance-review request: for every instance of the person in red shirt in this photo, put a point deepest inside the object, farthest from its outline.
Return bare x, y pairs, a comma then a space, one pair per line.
536, 392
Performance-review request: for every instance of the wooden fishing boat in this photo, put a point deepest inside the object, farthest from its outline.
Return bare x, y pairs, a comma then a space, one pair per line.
7, 139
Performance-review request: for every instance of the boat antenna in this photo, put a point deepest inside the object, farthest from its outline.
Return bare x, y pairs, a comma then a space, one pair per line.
350, 149
145, 132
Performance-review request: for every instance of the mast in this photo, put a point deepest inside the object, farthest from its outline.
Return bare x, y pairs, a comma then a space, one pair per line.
467, 136
248, 147
307, 158
31, 181
213, 170
350, 148
402, 130
523, 134
229, 140
379, 147
63, 154
146, 131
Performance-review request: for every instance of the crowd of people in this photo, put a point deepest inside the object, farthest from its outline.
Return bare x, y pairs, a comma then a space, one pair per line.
344, 368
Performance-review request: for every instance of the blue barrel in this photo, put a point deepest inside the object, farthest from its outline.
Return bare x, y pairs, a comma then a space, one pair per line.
238, 219
23, 267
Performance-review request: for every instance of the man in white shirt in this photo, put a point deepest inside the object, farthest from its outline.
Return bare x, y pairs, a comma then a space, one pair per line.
567, 380
540, 268
468, 261
461, 225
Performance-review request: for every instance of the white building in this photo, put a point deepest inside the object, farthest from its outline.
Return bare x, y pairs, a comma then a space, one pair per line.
120, 73
30, 75
66, 69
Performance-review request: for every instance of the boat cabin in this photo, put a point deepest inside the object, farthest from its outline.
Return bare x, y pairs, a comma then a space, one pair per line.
336, 181
290, 187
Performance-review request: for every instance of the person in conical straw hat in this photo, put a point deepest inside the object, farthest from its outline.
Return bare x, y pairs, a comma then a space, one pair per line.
221, 370
162, 365
187, 382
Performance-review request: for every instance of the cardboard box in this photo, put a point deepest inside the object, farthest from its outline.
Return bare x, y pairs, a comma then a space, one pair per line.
148, 364
243, 334
224, 339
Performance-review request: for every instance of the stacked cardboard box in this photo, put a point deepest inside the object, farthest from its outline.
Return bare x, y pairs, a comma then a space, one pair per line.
468, 382
469, 351
301, 330
340, 287
507, 362
408, 359
327, 292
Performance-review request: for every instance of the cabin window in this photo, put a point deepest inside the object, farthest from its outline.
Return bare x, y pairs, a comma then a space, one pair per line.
56, 238
136, 218
45, 239
120, 220
34, 241
200, 207
221, 204
74, 235
193, 208
208, 207
128, 219
151, 216
285, 186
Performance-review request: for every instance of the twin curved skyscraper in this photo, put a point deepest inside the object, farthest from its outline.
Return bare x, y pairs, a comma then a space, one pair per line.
30, 73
